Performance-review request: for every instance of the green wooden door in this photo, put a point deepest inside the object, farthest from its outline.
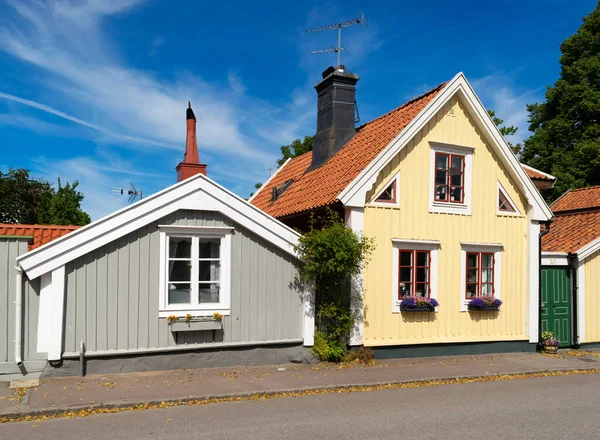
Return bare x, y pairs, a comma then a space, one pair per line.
556, 303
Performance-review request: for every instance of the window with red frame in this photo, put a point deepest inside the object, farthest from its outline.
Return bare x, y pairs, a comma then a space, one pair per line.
388, 195
480, 274
449, 178
414, 273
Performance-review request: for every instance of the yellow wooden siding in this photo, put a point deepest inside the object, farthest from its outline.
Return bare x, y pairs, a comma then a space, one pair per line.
412, 220
592, 297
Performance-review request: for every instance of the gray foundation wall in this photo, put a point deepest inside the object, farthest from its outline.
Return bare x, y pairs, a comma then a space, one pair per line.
112, 294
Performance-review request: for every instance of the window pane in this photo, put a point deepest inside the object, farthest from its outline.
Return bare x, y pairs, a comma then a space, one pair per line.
457, 164
387, 195
405, 258
471, 260
208, 271
179, 293
457, 194
422, 289
472, 275
441, 161
487, 260
405, 274
422, 275
441, 177
422, 258
441, 192
486, 275
180, 247
486, 290
405, 289
471, 290
180, 270
456, 180
208, 293
209, 247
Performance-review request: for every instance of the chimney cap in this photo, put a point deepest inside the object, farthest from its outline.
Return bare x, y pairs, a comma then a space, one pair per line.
190, 113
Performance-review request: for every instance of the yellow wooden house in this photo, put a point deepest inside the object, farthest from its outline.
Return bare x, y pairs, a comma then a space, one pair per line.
453, 213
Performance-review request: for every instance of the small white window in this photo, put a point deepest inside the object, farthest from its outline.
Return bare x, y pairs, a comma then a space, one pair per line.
451, 170
390, 194
195, 270
481, 265
505, 204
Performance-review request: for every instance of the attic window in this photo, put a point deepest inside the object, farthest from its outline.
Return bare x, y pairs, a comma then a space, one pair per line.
388, 195
503, 204
278, 191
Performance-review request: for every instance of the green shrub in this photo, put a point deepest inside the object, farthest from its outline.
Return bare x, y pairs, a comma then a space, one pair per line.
320, 347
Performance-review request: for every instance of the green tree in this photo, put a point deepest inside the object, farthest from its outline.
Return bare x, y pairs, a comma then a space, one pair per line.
506, 131
295, 149
566, 126
27, 200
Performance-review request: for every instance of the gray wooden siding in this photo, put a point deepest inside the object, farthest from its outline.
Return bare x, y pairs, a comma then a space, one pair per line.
10, 249
112, 298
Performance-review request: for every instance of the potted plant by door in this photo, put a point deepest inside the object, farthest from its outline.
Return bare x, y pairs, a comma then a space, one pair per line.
549, 343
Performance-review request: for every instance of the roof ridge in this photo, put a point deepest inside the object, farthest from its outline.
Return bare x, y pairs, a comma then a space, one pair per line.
38, 226
585, 188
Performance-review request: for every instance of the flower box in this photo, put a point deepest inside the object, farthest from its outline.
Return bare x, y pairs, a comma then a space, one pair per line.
427, 308
195, 325
484, 308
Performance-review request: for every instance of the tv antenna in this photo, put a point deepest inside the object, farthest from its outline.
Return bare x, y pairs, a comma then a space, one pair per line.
133, 193
343, 24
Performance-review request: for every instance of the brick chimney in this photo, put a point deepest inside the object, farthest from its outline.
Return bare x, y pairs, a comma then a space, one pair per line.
335, 113
190, 166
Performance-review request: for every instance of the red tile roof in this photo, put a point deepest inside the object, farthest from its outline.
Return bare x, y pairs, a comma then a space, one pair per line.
41, 234
321, 186
537, 174
582, 198
576, 222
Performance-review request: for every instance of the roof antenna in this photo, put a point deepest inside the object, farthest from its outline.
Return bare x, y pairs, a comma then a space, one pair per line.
337, 49
133, 193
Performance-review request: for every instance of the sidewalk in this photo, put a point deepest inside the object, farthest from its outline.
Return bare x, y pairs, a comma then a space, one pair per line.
127, 389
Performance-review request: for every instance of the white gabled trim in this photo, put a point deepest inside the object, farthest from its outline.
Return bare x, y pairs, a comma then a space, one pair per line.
533, 279
433, 246
196, 230
355, 219
581, 302
196, 193
550, 176
56, 314
496, 249
449, 207
265, 185
396, 181
588, 249
516, 213
355, 193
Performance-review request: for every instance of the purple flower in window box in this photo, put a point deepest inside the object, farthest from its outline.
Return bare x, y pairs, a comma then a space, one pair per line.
485, 302
418, 304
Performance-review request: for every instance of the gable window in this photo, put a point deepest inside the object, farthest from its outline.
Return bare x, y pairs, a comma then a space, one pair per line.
388, 195
449, 177
414, 269
195, 269
481, 271
480, 274
505, 204
451, 171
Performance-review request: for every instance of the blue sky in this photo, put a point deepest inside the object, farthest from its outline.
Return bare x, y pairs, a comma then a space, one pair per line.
96, 91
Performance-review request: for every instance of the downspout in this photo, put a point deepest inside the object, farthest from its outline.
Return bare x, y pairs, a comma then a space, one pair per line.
542, 233
573, 260
18, 316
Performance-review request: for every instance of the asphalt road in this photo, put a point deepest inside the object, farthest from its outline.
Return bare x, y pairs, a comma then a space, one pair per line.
548, 408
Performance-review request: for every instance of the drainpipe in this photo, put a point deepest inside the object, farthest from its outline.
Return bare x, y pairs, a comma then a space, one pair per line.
542, 233
18, 316
573, 263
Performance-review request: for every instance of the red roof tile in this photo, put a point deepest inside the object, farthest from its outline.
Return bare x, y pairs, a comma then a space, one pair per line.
41, 234
537, 174
570, 232
575, 199
321, 186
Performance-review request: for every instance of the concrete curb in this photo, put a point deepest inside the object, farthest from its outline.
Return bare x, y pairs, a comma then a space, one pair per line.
180, 401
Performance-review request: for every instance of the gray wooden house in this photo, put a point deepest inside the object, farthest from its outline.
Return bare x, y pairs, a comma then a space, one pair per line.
192, 276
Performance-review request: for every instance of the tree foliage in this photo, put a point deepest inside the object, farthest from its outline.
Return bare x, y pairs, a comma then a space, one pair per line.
566, 126
332, 254
506, 131
27, 200
295, 149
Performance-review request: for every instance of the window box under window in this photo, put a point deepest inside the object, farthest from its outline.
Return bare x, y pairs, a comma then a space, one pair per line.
491, 308
418, 304
417, 309
196, 325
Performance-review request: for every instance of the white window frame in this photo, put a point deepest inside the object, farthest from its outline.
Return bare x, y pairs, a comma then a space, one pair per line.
451, 207
490, 248
433, 246
204, 309
510, 200
396, 204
